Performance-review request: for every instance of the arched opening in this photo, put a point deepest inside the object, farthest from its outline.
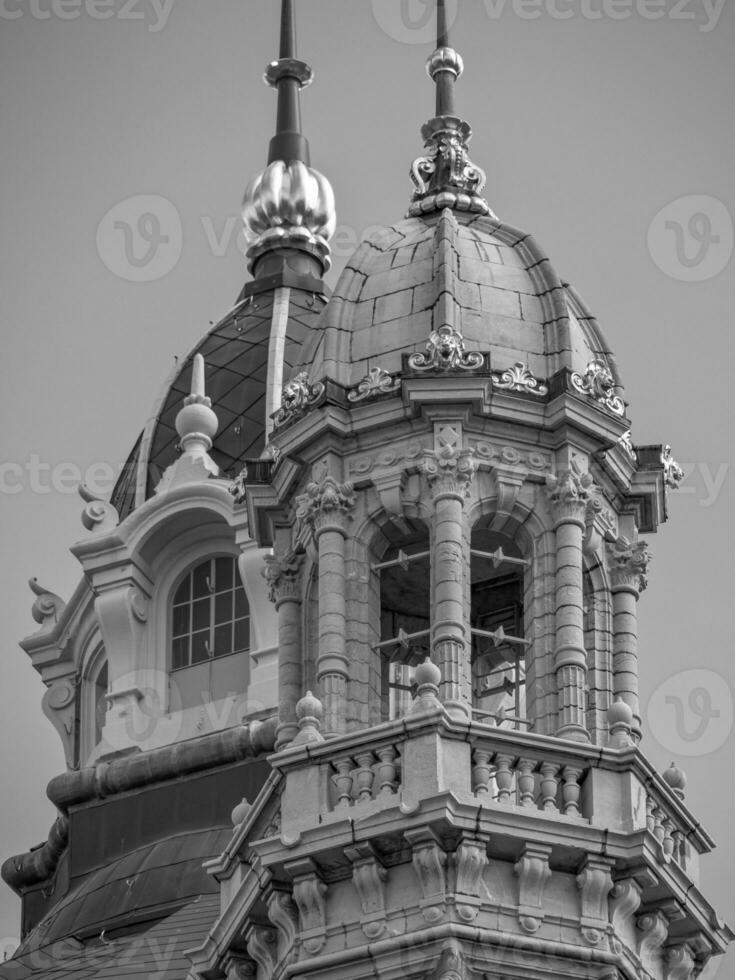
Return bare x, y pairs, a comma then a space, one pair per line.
405, 617
497, 628
210, 633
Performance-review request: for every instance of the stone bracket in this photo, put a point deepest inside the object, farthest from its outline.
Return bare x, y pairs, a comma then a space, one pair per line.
369, 878
429, 863
533, 871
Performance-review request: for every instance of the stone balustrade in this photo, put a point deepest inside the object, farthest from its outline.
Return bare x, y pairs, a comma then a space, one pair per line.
367, 773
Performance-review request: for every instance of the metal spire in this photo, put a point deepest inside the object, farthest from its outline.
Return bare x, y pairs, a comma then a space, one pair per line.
288, 76
445, 177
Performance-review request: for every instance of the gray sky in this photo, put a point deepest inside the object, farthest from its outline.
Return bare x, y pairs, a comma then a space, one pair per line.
588, 126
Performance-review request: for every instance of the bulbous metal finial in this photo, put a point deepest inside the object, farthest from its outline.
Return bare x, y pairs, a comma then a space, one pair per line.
289, 205
445, 177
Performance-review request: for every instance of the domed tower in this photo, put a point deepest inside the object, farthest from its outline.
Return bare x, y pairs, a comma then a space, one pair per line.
430, 734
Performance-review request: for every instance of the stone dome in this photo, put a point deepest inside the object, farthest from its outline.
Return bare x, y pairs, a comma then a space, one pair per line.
492, 282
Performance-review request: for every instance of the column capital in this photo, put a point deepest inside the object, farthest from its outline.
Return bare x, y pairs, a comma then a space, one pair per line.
283, 575
570, 493
325, 505
628, 565
449, 471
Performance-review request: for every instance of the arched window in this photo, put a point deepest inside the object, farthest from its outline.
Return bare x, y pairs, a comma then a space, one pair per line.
405, 583
497, 623
211, 614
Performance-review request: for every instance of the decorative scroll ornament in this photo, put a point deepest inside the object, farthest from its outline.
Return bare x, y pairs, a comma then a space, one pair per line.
445, 352
450, 470
626, 443
673, 473
47, 607
298, 396
519, 378
597, 382
571, 493
98, 515
444, 176
376, 382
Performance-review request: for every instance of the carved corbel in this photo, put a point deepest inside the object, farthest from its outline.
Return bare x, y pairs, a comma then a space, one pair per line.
508, 483
533, 871
429, 862
47, 607
470, 860
653, 928
59, 704
595, 883
284, 915
369, 878
309, 893
261, 946
625, 900
679, 962
99, 515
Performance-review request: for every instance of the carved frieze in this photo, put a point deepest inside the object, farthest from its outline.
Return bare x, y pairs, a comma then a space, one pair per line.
519, 378
598, 383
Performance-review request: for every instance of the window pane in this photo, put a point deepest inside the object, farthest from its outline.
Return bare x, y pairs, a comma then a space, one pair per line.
183, 593
224, 568
241, 604
201, 578
223, 640
242, 634
223, 608
202, 612
180, 653
181, 620
199, 644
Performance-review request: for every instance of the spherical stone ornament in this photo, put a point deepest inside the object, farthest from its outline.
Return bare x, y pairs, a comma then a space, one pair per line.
620, 713
676, 778
240, 812
309, 707
427, 674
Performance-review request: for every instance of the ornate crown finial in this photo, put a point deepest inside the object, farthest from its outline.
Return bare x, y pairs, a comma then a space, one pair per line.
289, 204
445, 177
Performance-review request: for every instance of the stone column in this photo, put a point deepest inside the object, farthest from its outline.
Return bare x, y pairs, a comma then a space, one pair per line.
569, 494
449, 472
628, 564
325, 508
283, 574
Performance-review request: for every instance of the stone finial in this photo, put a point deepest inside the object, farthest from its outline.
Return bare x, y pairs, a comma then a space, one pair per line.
428, 678
676, 779
98, 515
620, 718
309, 712
196, 425
240, 812
47, 608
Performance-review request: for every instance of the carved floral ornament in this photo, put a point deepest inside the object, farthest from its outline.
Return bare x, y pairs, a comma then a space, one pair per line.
445, 352
571, 492
298, 395
282, 575
598, 383
376, 382
444, 176
450, 469
519, 378
327, 499
628, 563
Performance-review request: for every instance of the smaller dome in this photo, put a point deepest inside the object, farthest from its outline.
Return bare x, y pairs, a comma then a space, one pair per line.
289, 203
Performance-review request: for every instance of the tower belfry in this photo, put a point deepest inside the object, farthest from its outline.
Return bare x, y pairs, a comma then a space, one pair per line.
381, 602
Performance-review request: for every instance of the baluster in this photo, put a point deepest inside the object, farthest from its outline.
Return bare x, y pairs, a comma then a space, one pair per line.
526, 782
365, 775
504, 777
343, 781
680, 855
571, 790
481, 772
668, 842
650, 819
549, 786
658, 828
387, 770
